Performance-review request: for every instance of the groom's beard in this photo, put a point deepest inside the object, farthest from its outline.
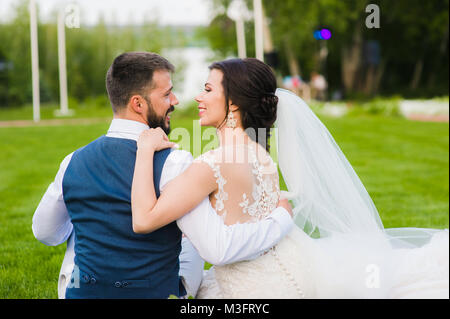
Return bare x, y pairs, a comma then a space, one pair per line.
154, 120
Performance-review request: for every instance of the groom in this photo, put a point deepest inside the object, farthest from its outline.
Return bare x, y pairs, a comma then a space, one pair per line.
89, 203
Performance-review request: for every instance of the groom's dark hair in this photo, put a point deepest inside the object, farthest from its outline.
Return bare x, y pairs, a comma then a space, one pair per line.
132, 73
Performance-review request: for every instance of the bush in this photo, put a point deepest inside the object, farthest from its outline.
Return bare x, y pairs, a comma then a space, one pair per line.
382, 106
377, 106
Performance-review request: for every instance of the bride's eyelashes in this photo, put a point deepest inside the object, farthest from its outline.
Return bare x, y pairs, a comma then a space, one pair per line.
207, 88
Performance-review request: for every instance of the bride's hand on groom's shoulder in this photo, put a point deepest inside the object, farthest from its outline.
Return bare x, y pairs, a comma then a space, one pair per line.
154, 140
286, 205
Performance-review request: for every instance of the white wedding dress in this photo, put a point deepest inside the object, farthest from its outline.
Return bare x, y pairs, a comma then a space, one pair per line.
350, 265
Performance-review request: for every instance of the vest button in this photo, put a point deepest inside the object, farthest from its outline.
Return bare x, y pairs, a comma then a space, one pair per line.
125, 283
93, 280
118, 284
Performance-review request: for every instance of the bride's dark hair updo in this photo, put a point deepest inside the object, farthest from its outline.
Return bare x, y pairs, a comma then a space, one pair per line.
250, 84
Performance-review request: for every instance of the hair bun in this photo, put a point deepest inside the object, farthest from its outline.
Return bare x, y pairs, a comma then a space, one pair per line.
269, 102
250, 84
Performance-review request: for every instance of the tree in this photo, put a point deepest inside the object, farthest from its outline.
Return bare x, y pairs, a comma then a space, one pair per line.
409, 50
90, 51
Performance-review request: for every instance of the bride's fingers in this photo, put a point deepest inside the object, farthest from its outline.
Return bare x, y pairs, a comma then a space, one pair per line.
163, 134
156, 139
151, 139
167, 144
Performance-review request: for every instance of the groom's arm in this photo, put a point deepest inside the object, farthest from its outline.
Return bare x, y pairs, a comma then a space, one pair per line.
51, 221
216, 242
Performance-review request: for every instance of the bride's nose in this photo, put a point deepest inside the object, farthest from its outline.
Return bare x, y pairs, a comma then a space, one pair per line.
198, 98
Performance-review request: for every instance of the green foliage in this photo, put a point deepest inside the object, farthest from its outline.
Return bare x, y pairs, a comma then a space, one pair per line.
410, 33
89, 53
377, 106
221, 36
15, 50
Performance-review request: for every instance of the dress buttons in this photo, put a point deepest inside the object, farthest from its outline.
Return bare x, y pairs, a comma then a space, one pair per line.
85, 278
125, 283
118, 284
93, 280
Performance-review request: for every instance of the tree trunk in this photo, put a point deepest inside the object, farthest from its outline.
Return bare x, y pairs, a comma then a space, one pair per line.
437, 61
370, 80
351, 60
378, 76
268, 44
294, 68
417, 74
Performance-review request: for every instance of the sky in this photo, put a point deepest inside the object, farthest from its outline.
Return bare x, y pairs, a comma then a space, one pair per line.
167, 12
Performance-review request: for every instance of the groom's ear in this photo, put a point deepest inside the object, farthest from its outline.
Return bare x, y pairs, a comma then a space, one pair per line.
136, 104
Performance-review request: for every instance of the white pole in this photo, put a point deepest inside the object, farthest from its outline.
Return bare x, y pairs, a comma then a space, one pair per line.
258, 14
238, 12
240, 32
34, 61
64, 110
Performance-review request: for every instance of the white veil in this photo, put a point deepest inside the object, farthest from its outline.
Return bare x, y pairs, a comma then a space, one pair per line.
327, 195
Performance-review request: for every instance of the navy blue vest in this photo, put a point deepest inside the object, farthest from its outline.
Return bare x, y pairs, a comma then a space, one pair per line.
111, 260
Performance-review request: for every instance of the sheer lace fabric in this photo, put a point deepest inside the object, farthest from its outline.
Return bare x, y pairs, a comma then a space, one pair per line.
247, 182
340, 266
344, 267
247, 191
280, 273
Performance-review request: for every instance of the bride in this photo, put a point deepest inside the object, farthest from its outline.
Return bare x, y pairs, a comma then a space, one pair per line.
339, 248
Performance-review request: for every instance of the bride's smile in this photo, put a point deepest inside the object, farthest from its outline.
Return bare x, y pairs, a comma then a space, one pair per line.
211, 101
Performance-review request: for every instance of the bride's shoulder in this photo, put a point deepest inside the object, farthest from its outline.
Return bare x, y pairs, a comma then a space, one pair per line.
210, 157
217, 155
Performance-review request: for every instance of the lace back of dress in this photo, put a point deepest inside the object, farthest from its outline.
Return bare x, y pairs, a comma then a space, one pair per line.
247, 182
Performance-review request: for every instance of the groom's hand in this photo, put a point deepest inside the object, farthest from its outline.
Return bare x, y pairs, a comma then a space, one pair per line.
286, 205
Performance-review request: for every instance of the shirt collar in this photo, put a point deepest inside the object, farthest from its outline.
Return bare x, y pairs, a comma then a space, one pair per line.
127, 129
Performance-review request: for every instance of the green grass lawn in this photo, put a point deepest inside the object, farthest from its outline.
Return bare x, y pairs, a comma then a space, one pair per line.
94, 107
404, 166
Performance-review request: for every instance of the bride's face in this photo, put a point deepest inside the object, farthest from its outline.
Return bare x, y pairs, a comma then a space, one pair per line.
211, 101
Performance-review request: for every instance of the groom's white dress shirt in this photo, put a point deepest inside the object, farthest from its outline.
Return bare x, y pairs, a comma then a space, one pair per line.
214, 241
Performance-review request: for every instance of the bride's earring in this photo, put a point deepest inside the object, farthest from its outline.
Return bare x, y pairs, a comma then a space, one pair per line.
231, 121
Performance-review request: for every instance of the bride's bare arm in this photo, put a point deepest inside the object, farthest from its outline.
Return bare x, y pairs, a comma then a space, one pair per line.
180, 196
